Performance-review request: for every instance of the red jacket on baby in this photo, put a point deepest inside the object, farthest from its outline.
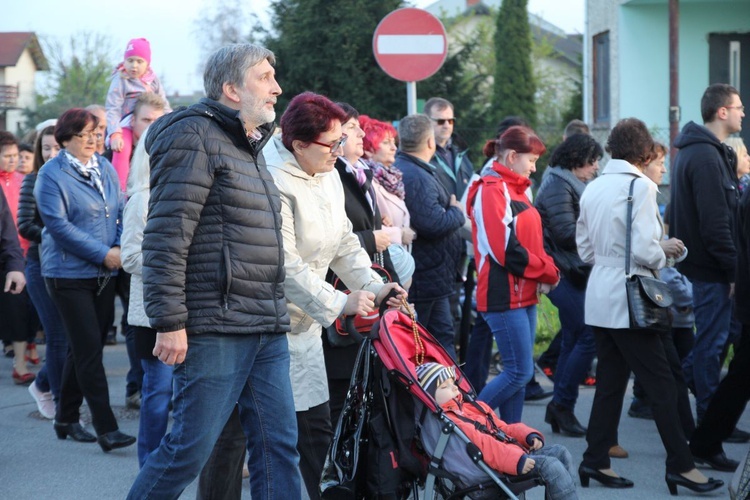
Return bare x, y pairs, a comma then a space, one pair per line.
503, 456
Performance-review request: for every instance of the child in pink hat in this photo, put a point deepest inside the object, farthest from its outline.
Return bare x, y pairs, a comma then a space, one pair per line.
132, 77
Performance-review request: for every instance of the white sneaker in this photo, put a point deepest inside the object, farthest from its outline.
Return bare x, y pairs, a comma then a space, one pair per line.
44, 401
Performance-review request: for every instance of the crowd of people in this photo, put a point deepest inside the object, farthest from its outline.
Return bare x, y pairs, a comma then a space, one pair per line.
224, 236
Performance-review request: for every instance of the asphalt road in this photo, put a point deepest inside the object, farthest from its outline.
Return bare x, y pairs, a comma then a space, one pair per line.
34, 464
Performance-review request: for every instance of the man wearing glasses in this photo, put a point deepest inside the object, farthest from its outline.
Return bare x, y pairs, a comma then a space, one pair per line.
704, 201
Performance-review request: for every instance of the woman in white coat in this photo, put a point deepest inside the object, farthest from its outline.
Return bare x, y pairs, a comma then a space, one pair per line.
317, 235
601, 239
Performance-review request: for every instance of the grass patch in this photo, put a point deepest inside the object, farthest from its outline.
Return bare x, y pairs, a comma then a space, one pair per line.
547, 324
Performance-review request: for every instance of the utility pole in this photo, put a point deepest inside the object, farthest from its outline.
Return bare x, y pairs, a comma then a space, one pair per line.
674, 75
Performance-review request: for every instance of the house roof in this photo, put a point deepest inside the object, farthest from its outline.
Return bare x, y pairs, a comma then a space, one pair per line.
12, 45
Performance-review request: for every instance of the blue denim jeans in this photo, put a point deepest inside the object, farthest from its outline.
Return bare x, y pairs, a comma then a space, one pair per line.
54, 330
713, 315
436, 316
479, 354
578, 347
219, 372
155, 396
514, 332
555, 466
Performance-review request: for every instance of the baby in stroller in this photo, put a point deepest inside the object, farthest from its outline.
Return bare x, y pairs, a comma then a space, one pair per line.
512, 449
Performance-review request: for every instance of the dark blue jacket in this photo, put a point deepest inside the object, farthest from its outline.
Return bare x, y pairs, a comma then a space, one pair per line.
438, 246
455, 177
79, 226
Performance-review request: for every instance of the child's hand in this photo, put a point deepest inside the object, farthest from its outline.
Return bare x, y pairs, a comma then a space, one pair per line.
528, 465
536, 444
116, 142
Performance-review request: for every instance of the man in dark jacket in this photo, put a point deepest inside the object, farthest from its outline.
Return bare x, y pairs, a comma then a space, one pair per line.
436, 217
213, 274
703, 215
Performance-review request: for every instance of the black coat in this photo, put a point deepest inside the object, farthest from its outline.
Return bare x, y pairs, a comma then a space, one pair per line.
30, 223
213, 260
11, 255
558, 203
704, 200
439, 245
365, 219
742, 283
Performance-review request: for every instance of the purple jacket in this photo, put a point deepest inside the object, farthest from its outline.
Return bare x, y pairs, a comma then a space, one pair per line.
123, 92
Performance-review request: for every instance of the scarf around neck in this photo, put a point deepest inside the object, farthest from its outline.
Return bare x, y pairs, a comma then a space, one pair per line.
390, 178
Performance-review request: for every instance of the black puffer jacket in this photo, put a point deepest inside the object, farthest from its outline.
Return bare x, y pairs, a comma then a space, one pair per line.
438, 246
30, 223
704, 200
558, 203
213, 260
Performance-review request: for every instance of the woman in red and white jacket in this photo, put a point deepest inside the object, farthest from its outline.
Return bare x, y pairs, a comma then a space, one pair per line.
512, 265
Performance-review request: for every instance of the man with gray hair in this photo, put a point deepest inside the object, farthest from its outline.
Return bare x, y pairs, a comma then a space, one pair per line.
436, 217
213, 274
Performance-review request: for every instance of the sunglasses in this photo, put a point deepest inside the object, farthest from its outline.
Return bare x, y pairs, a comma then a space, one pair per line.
443, 121
335, 145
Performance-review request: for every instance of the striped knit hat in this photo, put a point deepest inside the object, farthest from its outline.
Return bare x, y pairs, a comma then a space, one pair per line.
431, 375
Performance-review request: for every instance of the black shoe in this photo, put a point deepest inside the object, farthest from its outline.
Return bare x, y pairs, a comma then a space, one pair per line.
738, 436
535, 392
75, 431
640, 409
111, 336
720, 462
114, 439
586, 473
678, 479
563, 420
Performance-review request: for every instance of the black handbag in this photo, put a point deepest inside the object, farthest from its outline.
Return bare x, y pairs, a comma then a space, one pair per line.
649, 298
342, 477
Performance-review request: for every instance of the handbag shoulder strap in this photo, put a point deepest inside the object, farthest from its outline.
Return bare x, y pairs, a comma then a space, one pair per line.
628, 231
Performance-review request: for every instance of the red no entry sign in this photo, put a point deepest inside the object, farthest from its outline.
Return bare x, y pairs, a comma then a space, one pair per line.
410, 44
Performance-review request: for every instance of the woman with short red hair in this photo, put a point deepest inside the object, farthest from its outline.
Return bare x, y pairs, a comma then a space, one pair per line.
509, 250
380, 153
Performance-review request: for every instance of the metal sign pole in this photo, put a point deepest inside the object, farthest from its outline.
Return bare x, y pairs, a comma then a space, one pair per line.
411, 98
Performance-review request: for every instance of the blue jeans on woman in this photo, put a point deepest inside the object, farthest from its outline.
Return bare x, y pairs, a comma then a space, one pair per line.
54, 330
514, 332
578, 347
155, 396
219, 372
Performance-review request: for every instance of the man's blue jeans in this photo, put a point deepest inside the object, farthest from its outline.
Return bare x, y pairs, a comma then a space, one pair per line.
219, 372
437, 318
155, 396
702, 367
577, 349
514, 332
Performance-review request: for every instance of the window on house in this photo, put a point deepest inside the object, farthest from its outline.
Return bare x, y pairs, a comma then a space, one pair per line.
601, 78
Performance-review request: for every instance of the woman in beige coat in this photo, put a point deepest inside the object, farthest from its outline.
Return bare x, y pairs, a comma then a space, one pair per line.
601, 239
317, 235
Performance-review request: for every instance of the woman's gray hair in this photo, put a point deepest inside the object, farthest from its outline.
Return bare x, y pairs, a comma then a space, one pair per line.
413, 131
140, 167
229, 65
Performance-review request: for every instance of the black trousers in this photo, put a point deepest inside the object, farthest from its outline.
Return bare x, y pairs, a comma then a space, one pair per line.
221, 477
677, 345
314, 438
83, 304
644, 352
728, 403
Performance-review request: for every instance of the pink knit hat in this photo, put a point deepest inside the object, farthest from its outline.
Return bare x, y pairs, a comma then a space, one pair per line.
138, 47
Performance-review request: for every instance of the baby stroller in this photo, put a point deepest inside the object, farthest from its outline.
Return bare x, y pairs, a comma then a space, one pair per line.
382, 446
